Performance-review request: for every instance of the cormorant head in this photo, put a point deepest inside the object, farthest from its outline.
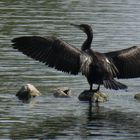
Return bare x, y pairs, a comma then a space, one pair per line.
85, 28
88, 30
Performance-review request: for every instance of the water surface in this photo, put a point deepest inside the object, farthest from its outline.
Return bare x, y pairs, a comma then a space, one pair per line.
115, 25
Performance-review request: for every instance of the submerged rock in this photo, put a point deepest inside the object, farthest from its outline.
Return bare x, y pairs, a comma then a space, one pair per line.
26, 92
62, 92
94, 96
137, 96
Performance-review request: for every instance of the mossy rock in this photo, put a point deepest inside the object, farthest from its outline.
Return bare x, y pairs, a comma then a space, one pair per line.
137, 96
27, 92
92, 95
62, 92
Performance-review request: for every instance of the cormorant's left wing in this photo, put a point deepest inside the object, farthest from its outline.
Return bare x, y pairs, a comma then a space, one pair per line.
127, 62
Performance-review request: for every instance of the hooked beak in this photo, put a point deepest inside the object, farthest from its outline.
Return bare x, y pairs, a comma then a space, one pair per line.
75, 25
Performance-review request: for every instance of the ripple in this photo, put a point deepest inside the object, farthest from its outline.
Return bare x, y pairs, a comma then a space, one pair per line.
116, 26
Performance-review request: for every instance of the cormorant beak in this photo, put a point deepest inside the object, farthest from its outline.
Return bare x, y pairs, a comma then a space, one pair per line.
75, 25
78, 26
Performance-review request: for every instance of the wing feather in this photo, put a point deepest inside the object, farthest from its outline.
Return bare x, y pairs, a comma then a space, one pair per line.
51, 51
127, 62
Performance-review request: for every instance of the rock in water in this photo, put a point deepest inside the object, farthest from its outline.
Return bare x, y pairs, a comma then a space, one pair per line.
27, 92
94, 96
99, 97
137, 96
62, 92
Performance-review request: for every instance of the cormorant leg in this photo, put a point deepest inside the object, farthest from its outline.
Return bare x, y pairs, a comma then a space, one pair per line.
90, 87
91, 94
98, 88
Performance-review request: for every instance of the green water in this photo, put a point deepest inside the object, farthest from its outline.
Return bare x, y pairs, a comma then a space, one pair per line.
116, 26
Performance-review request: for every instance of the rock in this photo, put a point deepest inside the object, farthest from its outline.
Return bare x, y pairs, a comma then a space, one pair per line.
85, 95
62, 92
27, 92
95, 96
100, 97
137, 96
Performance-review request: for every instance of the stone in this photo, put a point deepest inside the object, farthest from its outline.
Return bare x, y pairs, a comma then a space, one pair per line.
137, 96
62, 92
95, 96
27, 92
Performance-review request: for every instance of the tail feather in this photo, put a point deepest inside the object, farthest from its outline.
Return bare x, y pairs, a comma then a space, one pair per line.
112, 84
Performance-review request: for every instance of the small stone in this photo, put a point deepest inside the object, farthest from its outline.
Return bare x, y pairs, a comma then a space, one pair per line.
95, 96
62, 92
137, 96
26, 92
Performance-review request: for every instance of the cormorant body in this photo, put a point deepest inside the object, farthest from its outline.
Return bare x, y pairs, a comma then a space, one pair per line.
99, 68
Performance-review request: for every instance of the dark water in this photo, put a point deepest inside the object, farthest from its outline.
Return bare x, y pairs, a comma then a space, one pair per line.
116, 25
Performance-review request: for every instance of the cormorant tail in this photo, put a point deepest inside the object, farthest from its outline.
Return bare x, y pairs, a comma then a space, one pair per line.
113, 84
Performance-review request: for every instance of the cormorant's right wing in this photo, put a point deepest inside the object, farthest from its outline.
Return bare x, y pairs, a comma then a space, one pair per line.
51, 51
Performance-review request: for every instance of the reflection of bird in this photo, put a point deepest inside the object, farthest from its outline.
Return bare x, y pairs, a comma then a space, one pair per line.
99, 68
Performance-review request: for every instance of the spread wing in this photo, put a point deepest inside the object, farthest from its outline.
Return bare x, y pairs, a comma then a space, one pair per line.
51, 51
127, 62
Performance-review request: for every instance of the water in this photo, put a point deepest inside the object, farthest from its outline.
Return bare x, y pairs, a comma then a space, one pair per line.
116, 26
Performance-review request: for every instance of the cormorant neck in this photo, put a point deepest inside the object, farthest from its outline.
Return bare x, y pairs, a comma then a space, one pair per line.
87, 44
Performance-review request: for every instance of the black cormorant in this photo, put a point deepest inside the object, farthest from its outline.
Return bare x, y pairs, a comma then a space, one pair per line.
99, 68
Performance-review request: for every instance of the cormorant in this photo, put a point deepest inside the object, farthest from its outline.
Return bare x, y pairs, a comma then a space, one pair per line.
99, 68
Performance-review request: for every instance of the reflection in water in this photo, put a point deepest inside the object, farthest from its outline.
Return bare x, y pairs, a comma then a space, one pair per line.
100, 123
116, 26
114, 121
